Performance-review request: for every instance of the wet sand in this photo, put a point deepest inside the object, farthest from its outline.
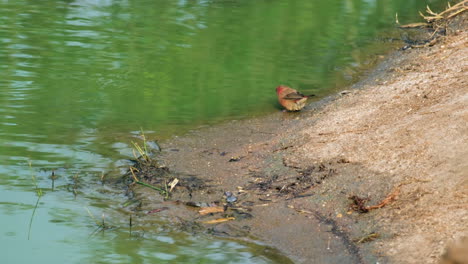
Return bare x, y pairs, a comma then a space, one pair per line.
400, 133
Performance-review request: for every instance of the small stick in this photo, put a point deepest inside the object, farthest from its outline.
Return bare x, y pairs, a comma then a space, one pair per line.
392, 196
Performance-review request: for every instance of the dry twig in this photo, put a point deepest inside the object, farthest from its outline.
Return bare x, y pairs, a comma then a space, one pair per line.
359, 204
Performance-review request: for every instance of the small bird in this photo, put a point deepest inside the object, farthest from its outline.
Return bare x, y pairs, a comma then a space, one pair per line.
291, 99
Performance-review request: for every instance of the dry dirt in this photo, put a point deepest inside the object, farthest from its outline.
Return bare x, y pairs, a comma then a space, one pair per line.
401, 133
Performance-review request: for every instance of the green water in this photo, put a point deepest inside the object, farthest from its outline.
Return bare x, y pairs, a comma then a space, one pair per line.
78, 79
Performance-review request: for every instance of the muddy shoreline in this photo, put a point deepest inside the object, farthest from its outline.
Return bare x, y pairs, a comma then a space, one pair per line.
402, 130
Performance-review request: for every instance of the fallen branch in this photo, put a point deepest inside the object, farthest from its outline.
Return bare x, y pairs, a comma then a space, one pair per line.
450, 12
437, 22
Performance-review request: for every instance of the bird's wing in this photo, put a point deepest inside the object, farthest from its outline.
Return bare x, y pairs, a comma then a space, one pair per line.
294, 96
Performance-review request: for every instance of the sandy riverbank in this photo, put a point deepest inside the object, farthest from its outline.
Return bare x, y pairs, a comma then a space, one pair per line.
402, 131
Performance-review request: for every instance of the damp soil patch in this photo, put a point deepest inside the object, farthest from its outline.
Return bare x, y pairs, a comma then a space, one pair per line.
323, 185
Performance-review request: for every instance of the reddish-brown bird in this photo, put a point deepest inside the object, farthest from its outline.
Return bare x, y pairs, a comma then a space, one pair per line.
291, 99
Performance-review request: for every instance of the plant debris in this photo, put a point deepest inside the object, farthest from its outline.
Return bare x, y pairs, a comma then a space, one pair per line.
296, 185
359, 203
211, 210
367, 238
150, 174
450, 12
437, 24
219, 220
173, 183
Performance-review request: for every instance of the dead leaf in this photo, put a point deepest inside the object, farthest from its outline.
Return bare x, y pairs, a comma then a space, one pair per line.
210, 210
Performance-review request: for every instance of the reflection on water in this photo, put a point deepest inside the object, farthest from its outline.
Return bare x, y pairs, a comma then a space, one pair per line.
79, 78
